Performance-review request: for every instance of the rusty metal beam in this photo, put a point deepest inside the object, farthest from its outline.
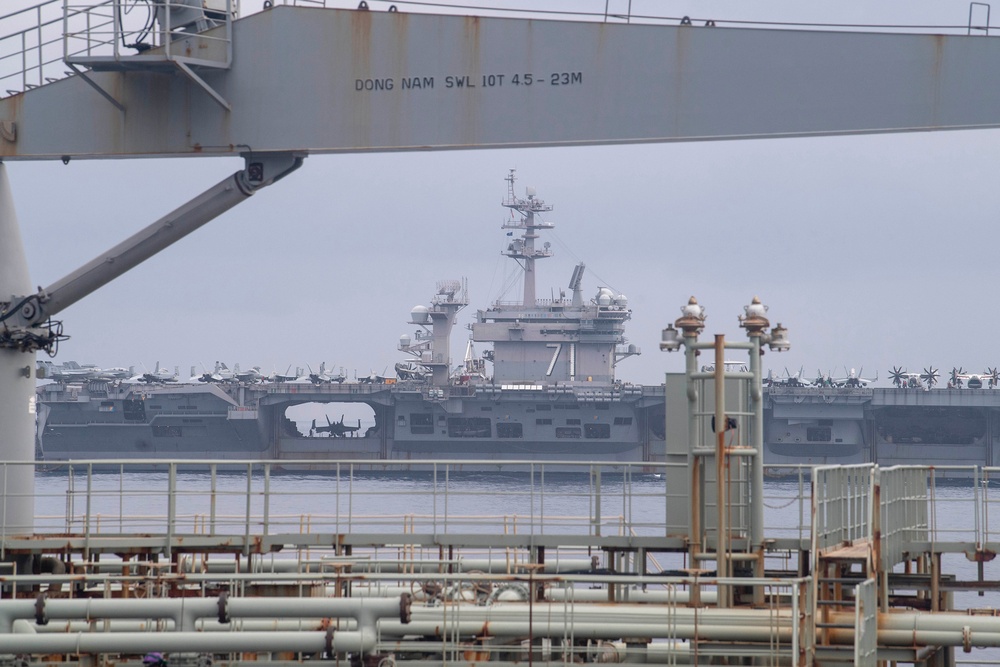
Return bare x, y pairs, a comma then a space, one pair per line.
387, 81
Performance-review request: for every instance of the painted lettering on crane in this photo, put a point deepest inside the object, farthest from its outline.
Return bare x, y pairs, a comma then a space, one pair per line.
459, 82
373, 84
417, 82
455, 81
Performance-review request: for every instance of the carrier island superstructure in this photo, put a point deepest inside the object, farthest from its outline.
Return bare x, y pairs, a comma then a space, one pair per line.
551, 392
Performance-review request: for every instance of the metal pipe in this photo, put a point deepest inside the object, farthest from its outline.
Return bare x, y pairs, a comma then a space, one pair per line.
193, 642
757, 470
656, 629
508, 620
634, 596
740, 556
186, 611
694, 443
723, 566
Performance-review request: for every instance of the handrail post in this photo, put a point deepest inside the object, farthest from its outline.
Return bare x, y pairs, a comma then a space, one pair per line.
247, 510
38, 12
213, 500
171, 506
86, 518
596, 516
118, 30
267, 500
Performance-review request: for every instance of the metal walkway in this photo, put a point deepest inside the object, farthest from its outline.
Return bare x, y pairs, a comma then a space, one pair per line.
510, 567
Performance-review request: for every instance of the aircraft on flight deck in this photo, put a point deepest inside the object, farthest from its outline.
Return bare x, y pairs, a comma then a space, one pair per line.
786, 380
326, 377
287, 376
158, 375
252, 376
988, 378
220, 373
374, 378
853, 379
71, 371
411, 370
905, 380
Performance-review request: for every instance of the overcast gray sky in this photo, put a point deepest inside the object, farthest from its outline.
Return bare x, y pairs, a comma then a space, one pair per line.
874, 251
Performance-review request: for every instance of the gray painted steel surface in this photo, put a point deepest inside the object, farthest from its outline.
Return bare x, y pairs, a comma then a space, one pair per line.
370, 81
17, 377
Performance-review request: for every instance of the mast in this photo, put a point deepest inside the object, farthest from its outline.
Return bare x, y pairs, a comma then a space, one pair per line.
523, 249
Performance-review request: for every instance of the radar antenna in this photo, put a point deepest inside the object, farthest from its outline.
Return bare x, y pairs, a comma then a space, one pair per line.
523, 248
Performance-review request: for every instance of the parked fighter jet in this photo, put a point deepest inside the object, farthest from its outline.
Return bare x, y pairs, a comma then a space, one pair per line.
853, 379
219, 374
374, 378
334, 429
158, 375
326, 377
252, 376
287, 376
786, 380
72, 371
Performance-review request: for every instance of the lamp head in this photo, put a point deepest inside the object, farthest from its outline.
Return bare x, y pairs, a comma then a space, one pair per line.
779, 339
671, 339
692, 319
754, 321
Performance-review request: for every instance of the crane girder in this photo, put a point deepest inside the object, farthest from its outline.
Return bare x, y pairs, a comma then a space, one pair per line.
330, 80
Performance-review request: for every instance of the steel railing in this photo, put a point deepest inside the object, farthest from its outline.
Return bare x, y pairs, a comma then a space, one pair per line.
223, 498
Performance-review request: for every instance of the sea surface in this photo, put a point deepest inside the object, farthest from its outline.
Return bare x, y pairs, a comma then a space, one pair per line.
457, 501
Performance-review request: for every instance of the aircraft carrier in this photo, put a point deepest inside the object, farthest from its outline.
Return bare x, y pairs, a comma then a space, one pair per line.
545, 388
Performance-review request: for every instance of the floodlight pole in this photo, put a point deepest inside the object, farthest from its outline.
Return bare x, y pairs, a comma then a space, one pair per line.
684, 332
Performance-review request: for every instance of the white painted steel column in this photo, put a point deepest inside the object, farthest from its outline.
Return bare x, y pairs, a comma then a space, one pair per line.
17, 384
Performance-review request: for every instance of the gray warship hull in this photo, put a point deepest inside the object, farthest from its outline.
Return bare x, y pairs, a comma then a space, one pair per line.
890, 426
493, 424
412, 422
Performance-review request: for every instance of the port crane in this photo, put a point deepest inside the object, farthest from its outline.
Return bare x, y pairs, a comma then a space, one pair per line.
200, 82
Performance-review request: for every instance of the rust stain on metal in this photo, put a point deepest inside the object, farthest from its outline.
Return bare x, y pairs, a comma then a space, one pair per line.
981, 555
13, 112
475, 656
361, 39
936, 70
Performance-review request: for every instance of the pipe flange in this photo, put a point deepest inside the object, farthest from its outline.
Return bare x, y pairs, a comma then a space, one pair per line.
329, 643
405, 604
224, 608
40, 617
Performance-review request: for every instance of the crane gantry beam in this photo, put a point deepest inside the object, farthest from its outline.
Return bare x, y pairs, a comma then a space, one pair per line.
330, 80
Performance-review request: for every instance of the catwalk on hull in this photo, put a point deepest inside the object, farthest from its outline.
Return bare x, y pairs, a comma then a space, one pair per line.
544, 389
